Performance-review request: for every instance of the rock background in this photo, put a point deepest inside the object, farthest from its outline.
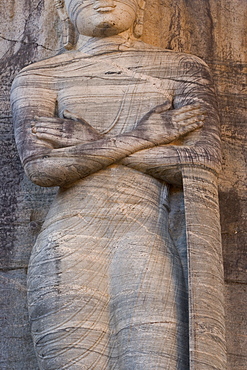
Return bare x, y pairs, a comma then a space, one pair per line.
215, 30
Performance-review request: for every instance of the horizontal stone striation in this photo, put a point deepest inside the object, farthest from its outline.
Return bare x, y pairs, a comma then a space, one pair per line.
106, 286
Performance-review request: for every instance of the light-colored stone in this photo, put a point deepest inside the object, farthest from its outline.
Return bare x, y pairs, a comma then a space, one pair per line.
216, 32
106, 285
236, 323
16, 350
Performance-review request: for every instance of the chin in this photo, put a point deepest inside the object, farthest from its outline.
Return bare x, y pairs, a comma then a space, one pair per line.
106, 29
103, 24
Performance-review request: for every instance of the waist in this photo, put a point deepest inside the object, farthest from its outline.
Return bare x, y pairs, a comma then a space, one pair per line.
109, 191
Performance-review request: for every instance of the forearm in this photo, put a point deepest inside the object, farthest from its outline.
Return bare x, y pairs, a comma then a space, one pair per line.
157, 127
59, 167
167, 161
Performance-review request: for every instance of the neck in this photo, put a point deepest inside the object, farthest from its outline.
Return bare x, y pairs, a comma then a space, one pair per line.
92, 45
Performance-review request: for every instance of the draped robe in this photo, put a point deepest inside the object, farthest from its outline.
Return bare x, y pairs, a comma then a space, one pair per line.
106, 288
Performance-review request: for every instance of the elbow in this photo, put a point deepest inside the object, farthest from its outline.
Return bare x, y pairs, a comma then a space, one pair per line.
205, 156
42, 175
211, 157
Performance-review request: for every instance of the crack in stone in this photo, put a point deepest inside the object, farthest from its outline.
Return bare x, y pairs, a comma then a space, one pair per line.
27, 43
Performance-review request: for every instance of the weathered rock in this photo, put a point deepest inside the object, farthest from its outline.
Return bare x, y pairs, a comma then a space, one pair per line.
215, 32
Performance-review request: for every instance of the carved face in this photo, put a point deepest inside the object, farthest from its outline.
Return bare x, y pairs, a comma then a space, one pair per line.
101, 18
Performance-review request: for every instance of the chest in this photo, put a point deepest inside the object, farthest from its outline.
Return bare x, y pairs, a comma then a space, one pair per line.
112, 98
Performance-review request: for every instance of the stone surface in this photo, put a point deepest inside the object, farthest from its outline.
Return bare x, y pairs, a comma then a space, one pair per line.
236, 323
205, 269
215, 32
16, 346
103, 115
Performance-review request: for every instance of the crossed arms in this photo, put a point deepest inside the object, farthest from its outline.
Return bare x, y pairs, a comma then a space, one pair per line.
59, 151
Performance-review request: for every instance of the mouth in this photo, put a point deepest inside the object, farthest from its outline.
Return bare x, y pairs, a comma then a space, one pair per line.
104, 8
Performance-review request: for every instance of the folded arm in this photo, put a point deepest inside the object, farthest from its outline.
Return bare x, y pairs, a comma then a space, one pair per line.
57, 151
200, 147
61, 160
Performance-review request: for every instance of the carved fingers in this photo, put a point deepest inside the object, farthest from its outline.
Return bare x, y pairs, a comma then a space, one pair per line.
163, 125
51, 130
63, 132
187, 119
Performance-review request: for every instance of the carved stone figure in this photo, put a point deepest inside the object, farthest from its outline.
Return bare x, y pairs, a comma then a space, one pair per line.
113, 123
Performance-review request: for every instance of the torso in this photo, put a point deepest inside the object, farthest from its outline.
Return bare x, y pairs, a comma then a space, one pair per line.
105, 240
112, 93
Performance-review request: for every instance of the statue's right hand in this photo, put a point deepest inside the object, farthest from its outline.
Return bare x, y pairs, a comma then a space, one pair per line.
63, 132
163, 125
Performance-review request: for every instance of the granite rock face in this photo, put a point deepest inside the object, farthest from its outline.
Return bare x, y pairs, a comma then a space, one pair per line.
214, 32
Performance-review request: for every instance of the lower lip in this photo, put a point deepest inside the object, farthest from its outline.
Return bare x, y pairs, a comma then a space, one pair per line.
105, 9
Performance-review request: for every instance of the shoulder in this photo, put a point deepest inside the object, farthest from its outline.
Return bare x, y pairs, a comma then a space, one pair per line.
186, 67
176, 57
43, 74
48, 67
186, 63
175, 66
178, 63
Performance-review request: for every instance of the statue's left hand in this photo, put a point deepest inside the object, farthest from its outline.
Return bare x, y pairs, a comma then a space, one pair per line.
162, 124
64, 132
